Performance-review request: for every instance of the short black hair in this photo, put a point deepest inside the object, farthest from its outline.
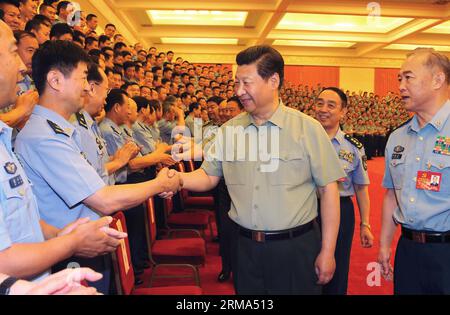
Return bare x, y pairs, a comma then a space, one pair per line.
90, 17
18, 35
115, 96
102, 39
193, 106
110, 24
94, 74
62, 5
119, 45
60, 29
15, 3
90, 39
63, 56
215, 99
128, 64
95, 52
268, 61
78, 37
340, 93
154, 104
237, 100
141, 102
43, 18
35, 25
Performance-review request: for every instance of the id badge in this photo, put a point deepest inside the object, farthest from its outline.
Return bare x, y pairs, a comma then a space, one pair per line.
428, 180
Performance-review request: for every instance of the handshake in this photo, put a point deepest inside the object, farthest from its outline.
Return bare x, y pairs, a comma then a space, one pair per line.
170, 182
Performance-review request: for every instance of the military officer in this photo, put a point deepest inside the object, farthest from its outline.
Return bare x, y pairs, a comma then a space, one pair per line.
28, 245
67, 187
92, 141
415, 152
331, 107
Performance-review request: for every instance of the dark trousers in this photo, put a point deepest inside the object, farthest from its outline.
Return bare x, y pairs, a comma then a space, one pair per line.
135, 218
339, 283
101, 264
275, 267
422, 268
224, 224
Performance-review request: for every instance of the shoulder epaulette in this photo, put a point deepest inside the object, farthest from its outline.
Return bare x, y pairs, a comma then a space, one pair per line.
81, 120
57, 129
354, 141
126, 131
115, 130
406, 122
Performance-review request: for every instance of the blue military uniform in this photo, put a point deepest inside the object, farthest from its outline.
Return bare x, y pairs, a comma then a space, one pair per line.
50, 149
156, 134
143, 137
93, 144
354, 162
19, 215
117, 136
115, 139
415, 157
165, 128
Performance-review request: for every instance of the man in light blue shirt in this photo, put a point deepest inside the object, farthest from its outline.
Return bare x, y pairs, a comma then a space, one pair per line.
28, 245
418, 155
66, 185
92, 141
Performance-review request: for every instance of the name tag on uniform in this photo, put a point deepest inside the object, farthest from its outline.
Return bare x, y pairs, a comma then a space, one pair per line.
428, 181
16, 181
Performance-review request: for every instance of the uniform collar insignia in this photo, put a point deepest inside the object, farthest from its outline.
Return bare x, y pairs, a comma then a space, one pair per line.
81, 120
57, 129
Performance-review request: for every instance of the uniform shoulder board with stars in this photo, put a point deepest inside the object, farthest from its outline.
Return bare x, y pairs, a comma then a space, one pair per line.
81, 120
57, 129
398, 127
354, 141
115, 130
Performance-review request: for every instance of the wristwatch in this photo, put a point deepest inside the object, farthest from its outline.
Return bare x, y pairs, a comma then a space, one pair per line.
365, 224
6, 285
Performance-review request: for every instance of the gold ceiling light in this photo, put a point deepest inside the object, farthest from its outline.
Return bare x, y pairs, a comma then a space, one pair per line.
207, 41
443, 28
197, 17
312, 43
410, 47
339, 23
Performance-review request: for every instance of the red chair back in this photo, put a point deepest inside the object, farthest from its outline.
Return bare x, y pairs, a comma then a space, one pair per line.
124, 266
151, 218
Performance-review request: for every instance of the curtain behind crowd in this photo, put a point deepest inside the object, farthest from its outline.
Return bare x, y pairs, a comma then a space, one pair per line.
386, 80
311, 75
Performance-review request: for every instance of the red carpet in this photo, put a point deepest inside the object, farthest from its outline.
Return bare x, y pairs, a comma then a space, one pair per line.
360, 258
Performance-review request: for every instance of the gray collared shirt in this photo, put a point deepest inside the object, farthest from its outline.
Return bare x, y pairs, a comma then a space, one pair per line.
272, 171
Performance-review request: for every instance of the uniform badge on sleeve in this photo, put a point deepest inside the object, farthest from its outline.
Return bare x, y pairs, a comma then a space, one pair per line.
364, 162
10, 168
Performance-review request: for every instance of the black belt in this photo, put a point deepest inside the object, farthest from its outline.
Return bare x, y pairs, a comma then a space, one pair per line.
262, 236
426, 237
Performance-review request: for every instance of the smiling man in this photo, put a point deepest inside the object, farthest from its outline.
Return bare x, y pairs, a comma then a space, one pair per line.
331, 108
276, 246
415, 152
